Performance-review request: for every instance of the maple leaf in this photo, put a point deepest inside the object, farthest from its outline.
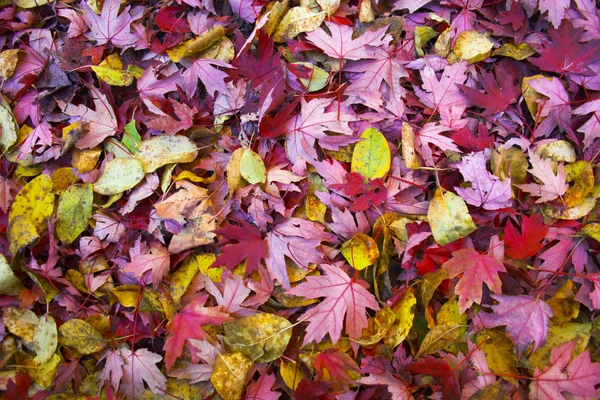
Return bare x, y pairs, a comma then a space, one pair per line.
101, 122
109, 26
157, 261
382, 65
186, 325
150, 88
181, 204
577, 377
556, 108
476, 269
250, 246
234, 293
261, 389
338, 368
444, 92
591, 128
486, 190
440, 370
500, 92
553, 185
528, 243
127, 371
108, 228
40, 137
30, 65
245, 9
567, 53
203, 69
527, 319
298, 240
341, 45
344, 298
182, 120
430, 134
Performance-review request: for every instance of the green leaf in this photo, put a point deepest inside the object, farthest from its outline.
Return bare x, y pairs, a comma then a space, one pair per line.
131, 138
252, 167
119, 175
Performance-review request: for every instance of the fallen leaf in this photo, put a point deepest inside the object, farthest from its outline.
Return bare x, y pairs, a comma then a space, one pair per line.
119, 175
449, 217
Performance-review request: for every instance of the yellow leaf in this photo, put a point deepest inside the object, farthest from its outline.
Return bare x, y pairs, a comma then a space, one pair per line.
31, 3
162, 150
45, 339
20, 322
74, 210
252, 167
85, 160
44, 374
261, 337
10, 285
329, 6
193, 46
315, 210
189, 175
563, 304
291, 373
365, 12
571, 213
592, 230
277, 12
449, 218
8, 62
182, 277
405, 315
510, 162
296, 21
583, 174
119, 175
62, 178
408, 147
378, 327
449, 313
223, 49
439, 338
234, 177
531, 96
499, 353
360, 251
558, 150
473, 46
430, 283
371, 157
229, 375
511, 50
80, 336
114, 77
423, 34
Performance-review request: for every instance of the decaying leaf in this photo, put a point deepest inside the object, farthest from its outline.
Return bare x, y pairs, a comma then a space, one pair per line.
21, 322
78, 335
473, 46
73, 212
360, 251
261, 337
229, 375
296, 21
10, 285
45, 339
449, 217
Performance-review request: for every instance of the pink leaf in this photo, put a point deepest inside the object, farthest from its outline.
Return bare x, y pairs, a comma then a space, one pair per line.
526, 318
553, 185
140, 367
261, 389
156, 261
344, 298
109, 26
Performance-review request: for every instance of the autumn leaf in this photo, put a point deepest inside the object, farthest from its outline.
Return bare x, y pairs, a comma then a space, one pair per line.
344, 299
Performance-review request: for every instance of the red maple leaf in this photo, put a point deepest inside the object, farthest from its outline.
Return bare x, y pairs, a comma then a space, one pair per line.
440, 370
528, 243
500, 92
187, 325
567, 53
476, 269
336, 367
250, 246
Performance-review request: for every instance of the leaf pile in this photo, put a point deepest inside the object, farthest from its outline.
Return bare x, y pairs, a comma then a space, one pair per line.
310, 199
